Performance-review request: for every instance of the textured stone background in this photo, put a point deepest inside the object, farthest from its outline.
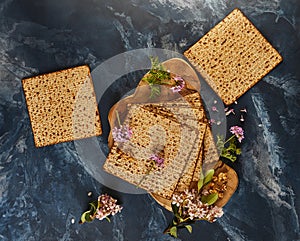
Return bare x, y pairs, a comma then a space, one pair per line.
41, 190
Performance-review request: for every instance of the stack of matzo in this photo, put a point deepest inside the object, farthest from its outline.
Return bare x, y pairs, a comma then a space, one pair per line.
174, 129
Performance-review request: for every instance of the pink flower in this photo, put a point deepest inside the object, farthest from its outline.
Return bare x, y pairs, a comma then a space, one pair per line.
122, 134
189, 202
180, 83
214, 108
178, 79
212, 121
107, 206
158, 160
238, 132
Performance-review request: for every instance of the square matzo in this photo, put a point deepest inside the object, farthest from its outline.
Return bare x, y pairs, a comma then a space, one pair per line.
233, 56
62, 106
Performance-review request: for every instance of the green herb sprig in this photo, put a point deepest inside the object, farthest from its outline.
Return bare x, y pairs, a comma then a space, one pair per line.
228, 149
156, 77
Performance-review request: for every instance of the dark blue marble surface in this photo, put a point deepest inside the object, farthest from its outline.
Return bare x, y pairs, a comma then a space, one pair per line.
42, 190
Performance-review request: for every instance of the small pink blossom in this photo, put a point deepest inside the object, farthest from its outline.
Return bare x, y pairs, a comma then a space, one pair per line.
180, 83
122, 134
214, 108
159, 161
238, 132
107, 206
243, 110
212, 121
190, 203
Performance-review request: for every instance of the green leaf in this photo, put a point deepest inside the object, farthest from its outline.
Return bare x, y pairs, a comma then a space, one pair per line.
94, 205
208, 176
82, 218
229, 156
173, 232
231, 148
86, 217
155, 91
189, 228
231, 151
108, 219
210, 199
200, 184
179, 218
175, 209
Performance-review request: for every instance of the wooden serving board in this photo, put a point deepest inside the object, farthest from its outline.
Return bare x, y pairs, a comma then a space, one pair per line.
141, 95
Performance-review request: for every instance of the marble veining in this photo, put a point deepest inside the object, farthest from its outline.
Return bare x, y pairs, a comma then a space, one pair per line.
43, 190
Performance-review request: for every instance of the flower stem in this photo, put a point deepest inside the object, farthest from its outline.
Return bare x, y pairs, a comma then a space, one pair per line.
147, 173
164, 83
118, 118
229, 139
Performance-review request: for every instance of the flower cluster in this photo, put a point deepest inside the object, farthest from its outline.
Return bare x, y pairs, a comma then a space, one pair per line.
214, 108
101, 208
180, 83
107, 206
238, 132
159, 161
193, 208
122, 134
